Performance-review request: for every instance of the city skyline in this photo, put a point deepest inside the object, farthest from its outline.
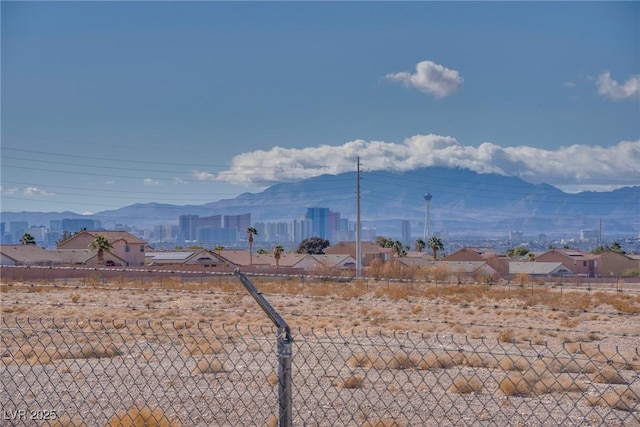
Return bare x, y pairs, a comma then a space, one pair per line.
106, 104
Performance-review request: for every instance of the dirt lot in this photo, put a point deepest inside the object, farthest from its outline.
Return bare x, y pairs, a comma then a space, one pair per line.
365, 353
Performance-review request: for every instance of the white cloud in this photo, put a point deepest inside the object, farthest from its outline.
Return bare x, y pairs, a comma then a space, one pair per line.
430, 78
8, 191
576, 165
150, 182
177, 181
35, 191
609, 88
203, 176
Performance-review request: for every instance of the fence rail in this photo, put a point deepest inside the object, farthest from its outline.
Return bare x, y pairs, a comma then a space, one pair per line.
99, 370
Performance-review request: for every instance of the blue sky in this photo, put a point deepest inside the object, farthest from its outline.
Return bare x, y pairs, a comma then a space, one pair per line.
105, 104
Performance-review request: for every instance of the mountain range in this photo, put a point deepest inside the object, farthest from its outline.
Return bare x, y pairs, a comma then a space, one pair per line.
463, 202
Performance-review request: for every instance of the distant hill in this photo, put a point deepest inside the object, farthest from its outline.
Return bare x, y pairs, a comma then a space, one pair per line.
463, 202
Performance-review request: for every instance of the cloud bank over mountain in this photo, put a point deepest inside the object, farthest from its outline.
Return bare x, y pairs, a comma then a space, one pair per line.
572, 168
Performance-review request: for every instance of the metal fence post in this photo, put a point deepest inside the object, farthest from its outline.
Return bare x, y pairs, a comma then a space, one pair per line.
284, 351
284, 377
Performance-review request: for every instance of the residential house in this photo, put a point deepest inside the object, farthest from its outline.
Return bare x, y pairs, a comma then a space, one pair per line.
334, 262
498, 262
290, 260
127, 247
369, 251
615, 264
539, 269
464, 271
581, 263
236, 258
27, 255
202, 257
86, 257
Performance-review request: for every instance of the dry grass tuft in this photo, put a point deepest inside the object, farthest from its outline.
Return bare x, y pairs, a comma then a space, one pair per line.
517, 384
385, 422
402, 360
142, 416
620, 399
206, 366
203, 346
608, 375
563, 383
65, 421
354, 381
465, 385
574, 365
363, 360
272, 378
507, 336
511, 363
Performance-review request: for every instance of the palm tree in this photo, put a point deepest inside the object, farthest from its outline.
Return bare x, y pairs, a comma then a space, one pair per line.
419, 245
277, 253
27, 239
435, 244
102, 244
251, 231
399, 248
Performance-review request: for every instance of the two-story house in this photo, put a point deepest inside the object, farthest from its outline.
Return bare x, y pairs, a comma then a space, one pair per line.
127, 248
581, 263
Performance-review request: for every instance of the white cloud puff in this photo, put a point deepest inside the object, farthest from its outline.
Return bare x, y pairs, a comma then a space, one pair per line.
35, 191
430, 78
150, 182
609, 88
577, 166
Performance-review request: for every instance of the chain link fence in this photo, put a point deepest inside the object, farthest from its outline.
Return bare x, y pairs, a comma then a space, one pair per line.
73, 372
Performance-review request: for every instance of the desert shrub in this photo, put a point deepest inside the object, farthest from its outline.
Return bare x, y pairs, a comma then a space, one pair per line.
608, 375
517, 384
142, 416
65, 421
465, 385
402, 360
563, 383
573, 365
354, 381
385, 422
621, 399
272, 378
511, 363
207, 366
363, 360
506, 336
203, 346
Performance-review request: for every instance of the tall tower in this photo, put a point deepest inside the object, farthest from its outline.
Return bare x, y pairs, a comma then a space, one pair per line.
427, 216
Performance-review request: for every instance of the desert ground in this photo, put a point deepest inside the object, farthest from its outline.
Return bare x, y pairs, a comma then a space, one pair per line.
365, 352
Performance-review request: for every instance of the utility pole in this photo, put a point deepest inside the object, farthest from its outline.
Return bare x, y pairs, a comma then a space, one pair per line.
358, 226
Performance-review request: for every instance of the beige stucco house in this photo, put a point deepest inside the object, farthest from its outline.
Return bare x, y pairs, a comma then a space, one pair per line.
579, 262
126, 247
369, 251
615, 264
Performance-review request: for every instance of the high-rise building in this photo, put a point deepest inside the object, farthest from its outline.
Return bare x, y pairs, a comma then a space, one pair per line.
188, 225
238, 222
320, 222
427, 216
405, 231
73, 225
300, 230
17, 230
